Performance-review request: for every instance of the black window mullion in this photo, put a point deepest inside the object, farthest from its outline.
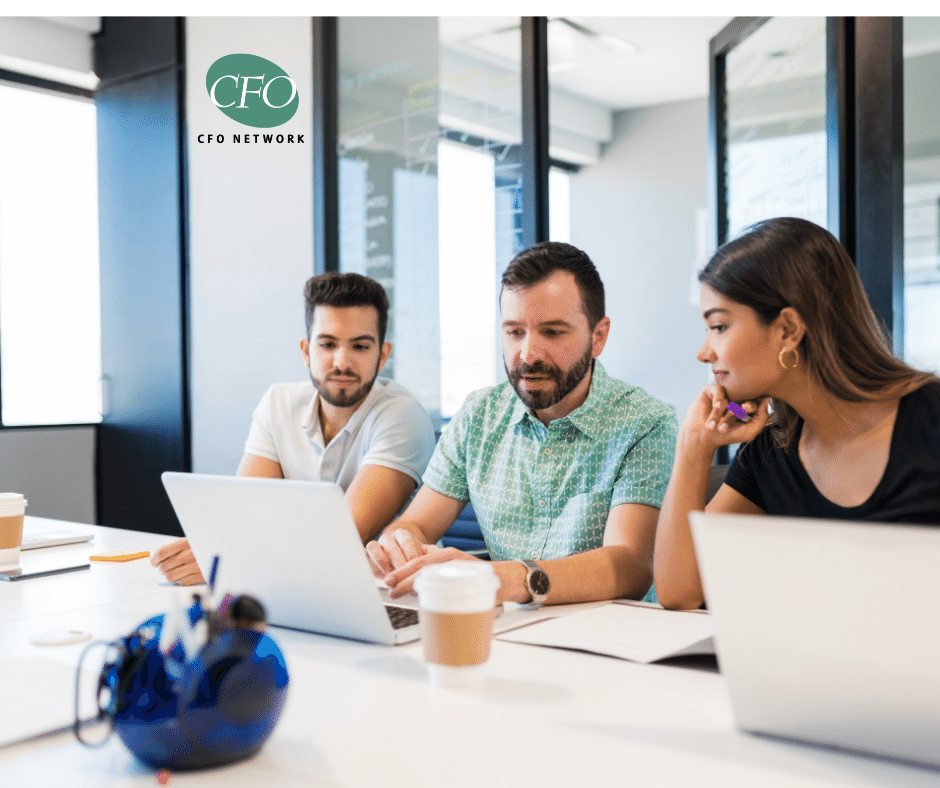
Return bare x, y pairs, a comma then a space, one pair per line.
535, 161
718, 146
840, 128
325, 133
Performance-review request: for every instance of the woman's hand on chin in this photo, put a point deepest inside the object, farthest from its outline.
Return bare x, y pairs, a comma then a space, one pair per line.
709, 424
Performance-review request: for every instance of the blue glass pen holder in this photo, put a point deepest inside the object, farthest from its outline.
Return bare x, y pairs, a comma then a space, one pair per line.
217, 708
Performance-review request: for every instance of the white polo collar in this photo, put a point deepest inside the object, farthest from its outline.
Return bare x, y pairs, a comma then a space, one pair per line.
311, 419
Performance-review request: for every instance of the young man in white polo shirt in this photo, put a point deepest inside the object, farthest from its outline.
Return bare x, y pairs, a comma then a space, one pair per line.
367, 434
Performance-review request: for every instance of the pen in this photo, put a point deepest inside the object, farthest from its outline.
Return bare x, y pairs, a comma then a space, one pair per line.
215, 567
738, 411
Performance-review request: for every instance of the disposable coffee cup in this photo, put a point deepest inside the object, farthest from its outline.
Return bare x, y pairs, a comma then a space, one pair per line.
456, 604
12, 510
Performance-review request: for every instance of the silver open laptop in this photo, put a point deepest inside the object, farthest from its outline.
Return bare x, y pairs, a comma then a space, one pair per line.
828, 631
294, 546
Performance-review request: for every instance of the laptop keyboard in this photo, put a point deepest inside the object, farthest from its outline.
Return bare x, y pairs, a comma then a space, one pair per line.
401, 616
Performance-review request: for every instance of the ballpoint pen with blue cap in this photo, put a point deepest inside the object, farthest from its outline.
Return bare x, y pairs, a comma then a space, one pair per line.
212, 572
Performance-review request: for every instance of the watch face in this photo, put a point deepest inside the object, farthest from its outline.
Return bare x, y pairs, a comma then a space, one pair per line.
538, 583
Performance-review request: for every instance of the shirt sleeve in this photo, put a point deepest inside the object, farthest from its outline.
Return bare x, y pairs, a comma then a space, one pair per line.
447, 471
260, 440
646, 468
742, 475
402, 438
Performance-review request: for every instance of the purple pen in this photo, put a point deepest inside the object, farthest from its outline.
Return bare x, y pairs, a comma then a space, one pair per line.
738, 411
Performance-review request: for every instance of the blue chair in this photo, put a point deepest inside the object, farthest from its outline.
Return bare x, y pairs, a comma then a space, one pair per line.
465, 534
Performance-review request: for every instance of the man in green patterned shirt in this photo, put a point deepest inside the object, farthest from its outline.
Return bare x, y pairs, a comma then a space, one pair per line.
563, 464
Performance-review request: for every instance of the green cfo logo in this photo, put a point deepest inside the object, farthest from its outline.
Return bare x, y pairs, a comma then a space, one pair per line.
252, 90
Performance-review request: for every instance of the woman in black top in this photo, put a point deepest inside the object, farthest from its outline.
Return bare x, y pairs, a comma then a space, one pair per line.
839, 427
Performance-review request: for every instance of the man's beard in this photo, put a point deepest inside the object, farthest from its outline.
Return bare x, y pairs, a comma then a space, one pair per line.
565, 381
347, 398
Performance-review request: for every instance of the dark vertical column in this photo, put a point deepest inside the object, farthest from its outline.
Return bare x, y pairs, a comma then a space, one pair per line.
145, 429
717, 144
879, 163
185, 322
325, 130
535, 160
840, 128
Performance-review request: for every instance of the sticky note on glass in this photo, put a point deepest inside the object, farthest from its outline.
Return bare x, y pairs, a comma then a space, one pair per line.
119, 555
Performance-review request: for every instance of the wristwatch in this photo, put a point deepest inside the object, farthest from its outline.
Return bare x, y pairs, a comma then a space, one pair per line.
536, 581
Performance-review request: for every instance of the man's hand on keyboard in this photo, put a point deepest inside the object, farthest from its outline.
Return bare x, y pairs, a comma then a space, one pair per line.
397, 557
393, 550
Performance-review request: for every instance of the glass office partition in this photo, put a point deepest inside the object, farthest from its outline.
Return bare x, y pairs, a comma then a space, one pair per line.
775, 94
430, 188
921, 192
387, 147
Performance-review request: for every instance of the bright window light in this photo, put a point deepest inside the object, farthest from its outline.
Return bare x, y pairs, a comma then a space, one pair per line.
50, 317
559, 205
467, 244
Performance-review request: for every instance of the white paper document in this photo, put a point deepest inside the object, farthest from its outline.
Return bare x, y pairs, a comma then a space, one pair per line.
638, 632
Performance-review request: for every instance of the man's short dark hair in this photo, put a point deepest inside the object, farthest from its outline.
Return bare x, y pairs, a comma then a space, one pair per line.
338, 290
540, 261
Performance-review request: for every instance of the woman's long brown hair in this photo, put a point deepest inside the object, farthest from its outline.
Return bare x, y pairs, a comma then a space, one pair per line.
792, 262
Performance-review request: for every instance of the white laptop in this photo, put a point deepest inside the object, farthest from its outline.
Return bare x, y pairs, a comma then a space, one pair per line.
42, 532
828, 631
294, 546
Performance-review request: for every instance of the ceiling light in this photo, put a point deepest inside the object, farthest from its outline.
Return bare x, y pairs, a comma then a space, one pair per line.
605, 38
617, 43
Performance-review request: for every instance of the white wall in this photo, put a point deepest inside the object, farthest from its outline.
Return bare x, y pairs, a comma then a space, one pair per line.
251, 238
634, 213
54, 467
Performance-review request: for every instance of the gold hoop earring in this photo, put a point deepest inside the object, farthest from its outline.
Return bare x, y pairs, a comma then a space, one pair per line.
796, 358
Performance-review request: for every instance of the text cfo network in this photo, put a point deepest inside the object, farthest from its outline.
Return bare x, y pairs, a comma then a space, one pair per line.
243, 138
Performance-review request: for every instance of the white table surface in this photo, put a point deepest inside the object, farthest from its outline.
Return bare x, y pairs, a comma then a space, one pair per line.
365, 715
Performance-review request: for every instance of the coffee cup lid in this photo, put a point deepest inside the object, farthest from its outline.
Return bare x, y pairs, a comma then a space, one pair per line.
12, 504
457, 572
457, 586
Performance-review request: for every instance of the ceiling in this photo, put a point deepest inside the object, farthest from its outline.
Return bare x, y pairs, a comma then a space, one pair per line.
619, 62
